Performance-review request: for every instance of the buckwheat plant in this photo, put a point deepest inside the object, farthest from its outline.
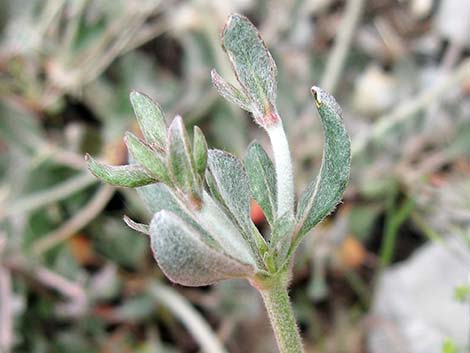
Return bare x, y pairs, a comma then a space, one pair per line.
201, 231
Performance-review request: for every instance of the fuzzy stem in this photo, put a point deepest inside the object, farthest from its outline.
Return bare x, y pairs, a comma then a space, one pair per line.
278, 306
283, 165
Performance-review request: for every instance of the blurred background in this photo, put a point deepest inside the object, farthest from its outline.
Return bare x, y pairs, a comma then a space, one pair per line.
388, 272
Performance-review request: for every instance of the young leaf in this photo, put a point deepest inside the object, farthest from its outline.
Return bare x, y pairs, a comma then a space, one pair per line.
323, 194
138, 227
262, 175
150, 159
281, 237
231, 184
252, 63
123, 175
231, 93
151, 119
180, 158
199, 151
186, 258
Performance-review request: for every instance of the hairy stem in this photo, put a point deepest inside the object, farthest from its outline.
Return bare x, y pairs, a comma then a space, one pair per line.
283, 165
278, 306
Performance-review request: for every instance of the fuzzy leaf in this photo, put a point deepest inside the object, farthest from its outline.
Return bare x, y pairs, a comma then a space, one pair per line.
199, 151
122, 175
262, 175
150, 159
180, 158
231, 184
209, 220
231, 93
252, 62
281, 236
186, 258
151, 119
323, 194
158, 197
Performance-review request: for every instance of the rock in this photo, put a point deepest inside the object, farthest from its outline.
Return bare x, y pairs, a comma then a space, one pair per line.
414, 308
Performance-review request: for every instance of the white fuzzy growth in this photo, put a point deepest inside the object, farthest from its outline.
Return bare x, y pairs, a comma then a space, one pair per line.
283, 165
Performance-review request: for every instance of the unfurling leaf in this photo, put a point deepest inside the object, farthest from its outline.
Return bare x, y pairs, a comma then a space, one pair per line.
150, 159
130, 176
151, 119
180, 159
231, 93
186, 258
199, 151
262, 176
323, 194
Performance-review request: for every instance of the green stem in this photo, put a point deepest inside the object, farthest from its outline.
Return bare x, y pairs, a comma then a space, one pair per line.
278, 306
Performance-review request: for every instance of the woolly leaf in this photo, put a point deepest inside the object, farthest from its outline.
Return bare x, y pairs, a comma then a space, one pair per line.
262, 175
199, 151
180, 158
150, 159
210, 220
231, 184
252, 63
158, 197
186, 258
323, 194
281, 236
151, 119
122, 175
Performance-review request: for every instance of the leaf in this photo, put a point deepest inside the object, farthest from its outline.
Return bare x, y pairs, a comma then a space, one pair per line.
323, 194
186, 258
231, 93
199, 151
281, 237
138, 227
180, 158
209, 220
151, 119
231, 185
158, 197
253, 64
262, 176
123, 175
150, 159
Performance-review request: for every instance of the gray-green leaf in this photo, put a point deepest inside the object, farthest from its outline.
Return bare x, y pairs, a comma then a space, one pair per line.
122, 175
186, 258
180, 158
323, 194
199, 151
253, 64
151, 119
150, 159
262, 175
231, 183
281, 237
